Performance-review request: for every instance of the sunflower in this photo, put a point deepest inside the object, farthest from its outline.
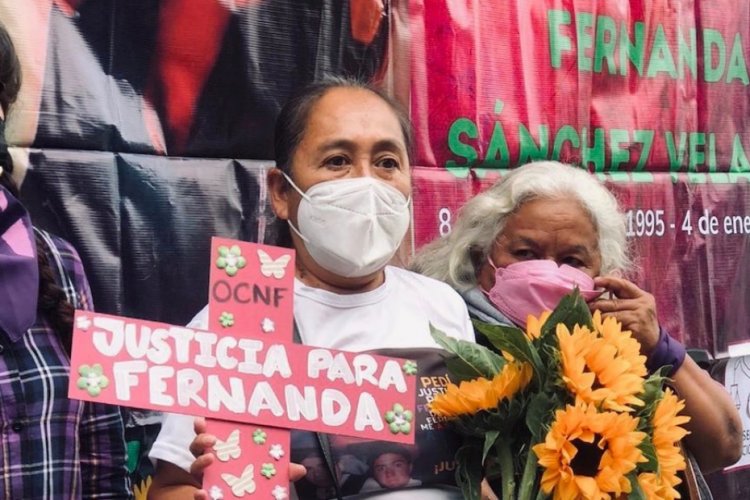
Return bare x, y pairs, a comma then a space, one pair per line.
666, 436
511, 379
465, 399
140, 491
479, 394
650, 483
534, 325
626, 345
602, 366
587, 454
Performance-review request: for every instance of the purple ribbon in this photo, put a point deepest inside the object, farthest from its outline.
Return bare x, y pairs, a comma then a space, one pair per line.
668, 351
19, 271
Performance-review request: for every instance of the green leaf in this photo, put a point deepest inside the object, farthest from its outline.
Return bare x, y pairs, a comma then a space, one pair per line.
653, 392
469, 360
572, 310
513, 341
636, 493
649, 452
489, 441
541, 495
469, 472
654, 385
538, 412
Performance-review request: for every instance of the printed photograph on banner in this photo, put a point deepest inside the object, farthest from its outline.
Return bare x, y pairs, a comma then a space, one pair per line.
368, 466
737, 382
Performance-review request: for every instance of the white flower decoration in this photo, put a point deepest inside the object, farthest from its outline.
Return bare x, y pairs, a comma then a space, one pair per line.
267, 325
215, 493
276, 451
279, 493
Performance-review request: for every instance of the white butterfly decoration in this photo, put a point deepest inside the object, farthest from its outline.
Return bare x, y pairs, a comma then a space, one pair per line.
226, 450
240, 485
273, 268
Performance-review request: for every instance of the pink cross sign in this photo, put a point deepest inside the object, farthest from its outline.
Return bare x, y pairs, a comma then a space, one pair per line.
244, 374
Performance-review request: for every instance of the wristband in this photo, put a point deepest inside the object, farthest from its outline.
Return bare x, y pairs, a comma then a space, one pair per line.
668, 351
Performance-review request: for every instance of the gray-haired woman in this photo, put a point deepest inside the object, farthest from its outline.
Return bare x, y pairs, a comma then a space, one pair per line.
545, 228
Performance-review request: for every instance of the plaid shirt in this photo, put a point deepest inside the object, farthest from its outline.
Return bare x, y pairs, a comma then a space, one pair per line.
53, 447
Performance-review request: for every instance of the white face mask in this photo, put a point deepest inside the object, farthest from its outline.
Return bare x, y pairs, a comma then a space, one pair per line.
352, 227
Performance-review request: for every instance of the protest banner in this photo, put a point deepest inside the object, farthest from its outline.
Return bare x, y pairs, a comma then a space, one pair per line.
244, 370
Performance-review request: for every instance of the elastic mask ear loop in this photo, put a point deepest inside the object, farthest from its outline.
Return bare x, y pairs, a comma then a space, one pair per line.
494, 267
489, 260
291, 226
291, 182
289, 221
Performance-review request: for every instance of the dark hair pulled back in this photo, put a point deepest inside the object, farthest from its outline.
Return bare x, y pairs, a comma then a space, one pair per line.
291, 124
52, 303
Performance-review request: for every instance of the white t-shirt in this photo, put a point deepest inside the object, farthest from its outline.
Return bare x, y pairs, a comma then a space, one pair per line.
395, 315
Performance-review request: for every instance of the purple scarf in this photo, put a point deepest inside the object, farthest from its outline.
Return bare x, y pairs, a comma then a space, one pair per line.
19, 271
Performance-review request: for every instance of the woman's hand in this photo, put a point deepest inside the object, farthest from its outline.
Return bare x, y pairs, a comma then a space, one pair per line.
631, 306
201, 450
715, 427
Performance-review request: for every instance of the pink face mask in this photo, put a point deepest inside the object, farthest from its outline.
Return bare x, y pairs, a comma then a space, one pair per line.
535, 286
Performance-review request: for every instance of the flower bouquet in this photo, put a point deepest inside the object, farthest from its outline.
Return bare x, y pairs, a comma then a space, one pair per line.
565, 409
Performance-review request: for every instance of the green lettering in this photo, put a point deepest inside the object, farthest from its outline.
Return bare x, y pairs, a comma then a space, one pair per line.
584, 23
688, 56
632, 51
697, 156
711, 39
697, 178
739, 161
642, 176
606, 38
676, 155
711, 150
646, 138
735, 177
460, 127
593, 154
737, 70
718, 178
661, 58
565, 134
530, 150
498, 146
558, 43
618, 136
618, 176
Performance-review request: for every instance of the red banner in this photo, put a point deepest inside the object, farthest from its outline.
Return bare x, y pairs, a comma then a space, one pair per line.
651, 85
652, 95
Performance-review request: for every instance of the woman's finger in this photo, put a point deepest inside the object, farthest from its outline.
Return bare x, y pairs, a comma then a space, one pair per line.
296, 472
198, 467
615, 305
199, 425
201, 443
621, 287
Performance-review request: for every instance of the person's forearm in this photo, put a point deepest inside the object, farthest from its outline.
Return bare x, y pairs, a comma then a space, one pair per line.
715, 427
175, 492
172, 483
